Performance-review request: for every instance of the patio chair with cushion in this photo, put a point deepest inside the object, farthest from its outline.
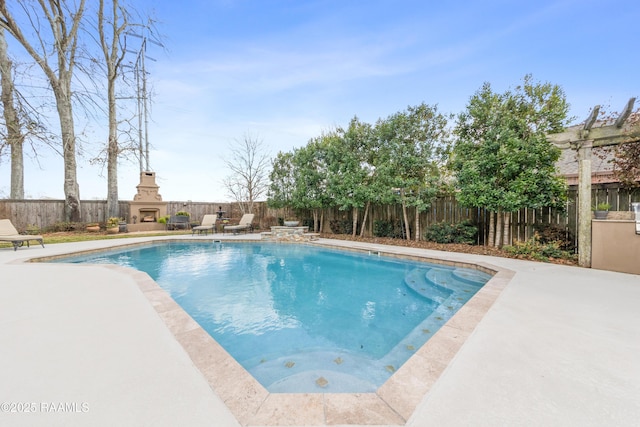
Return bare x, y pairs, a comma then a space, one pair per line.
208, 223
245, 225
8, 233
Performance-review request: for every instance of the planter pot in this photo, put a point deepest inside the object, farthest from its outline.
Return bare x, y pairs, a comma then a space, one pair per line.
600, 214
93, 228
122, 227
113, 230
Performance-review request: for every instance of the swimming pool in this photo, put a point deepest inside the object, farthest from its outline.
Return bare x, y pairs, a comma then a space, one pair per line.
301, 318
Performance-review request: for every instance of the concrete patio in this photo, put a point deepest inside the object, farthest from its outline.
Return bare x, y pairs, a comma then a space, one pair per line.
82, 345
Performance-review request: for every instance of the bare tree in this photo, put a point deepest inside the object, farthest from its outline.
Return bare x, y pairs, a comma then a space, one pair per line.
117, 24
14, 136
60, 45
249, 178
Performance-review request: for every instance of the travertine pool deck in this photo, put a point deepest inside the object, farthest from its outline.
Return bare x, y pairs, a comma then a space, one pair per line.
102, 345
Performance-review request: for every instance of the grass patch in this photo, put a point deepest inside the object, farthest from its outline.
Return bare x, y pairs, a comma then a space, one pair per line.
70, 237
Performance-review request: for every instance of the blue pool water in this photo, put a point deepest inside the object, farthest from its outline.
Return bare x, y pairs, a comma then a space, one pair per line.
301, 318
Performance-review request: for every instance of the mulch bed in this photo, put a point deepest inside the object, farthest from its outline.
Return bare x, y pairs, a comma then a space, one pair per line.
447, 247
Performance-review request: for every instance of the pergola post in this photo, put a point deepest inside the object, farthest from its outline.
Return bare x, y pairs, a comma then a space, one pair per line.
584, 203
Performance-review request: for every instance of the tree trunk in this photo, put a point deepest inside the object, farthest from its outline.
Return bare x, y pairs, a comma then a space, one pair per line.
15, 139
71, 188
17, 169
499, 218
113, 57
417, 236
492, 230
406, 221
113, 209
506, 240
354, 225
316, 221
364, 219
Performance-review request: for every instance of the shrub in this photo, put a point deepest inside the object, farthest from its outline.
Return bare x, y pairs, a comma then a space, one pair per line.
32, 229
536, 250
164, 219
308, 222
382, 228
341, 226
65, 226
548, 233
463, 232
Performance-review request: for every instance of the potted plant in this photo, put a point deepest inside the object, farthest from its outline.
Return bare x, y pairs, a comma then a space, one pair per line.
113, 225
602, 210
93, 227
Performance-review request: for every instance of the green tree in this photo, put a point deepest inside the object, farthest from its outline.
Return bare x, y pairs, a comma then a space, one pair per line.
281, 181
411, 148
298, 180
349, 170
502, 159
310, 177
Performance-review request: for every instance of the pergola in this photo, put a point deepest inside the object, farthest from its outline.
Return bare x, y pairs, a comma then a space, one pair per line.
583, 140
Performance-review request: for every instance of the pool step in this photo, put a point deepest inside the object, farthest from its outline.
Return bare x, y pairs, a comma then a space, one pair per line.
471, 277
459, 279
319, 381
319, 372
419, 281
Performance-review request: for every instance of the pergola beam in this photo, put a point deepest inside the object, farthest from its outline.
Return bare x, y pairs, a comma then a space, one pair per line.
583, 140
592, 118
601, 136
625, 114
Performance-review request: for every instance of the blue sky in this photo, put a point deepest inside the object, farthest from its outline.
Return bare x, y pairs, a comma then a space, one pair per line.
284, 71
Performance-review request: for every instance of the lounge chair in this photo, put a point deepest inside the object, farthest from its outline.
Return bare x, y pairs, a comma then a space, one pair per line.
8, 233
245, 225
208, 223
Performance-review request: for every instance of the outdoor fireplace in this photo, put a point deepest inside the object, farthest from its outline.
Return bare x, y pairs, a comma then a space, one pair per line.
147, 205
148, 215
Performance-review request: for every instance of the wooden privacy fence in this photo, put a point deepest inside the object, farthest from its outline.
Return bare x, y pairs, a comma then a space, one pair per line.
45, 213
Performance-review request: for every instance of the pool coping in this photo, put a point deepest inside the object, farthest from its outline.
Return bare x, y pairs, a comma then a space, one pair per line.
393, 403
